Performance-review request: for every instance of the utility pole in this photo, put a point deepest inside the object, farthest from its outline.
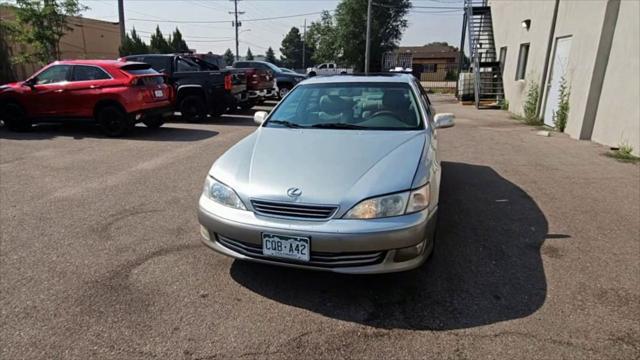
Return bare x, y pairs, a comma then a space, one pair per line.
123, 31
304, 44
235, 24
368, 45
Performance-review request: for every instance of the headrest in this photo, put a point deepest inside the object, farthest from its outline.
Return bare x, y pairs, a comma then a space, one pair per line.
395, 99
333, 104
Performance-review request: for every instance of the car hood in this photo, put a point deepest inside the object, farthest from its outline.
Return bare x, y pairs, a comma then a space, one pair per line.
13, 85
332, 167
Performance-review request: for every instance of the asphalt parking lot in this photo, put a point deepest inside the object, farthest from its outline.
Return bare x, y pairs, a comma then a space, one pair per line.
537, 255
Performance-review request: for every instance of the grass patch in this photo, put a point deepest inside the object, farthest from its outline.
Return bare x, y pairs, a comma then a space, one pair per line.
623, 154
533, 121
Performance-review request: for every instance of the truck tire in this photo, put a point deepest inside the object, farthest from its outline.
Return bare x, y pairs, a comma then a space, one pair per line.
247, 105
14, 117
113, 120
193, 108
153, 122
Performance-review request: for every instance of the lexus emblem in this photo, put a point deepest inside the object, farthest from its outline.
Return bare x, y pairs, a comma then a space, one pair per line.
294, 192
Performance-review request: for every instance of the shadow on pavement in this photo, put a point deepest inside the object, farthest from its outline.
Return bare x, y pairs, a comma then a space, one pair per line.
486, 267
91, 130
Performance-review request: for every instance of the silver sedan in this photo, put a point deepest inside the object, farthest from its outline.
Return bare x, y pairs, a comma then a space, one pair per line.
343, 175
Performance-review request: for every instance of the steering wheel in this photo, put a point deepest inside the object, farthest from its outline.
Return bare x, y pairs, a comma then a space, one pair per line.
386, 113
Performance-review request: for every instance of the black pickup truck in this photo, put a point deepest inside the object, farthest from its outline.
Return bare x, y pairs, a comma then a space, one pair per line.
199, 89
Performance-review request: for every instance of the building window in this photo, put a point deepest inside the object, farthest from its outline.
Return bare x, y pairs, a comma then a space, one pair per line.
522, 61
430, 68
503, 58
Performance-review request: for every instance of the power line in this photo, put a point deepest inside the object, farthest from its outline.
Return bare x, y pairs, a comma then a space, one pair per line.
226, 21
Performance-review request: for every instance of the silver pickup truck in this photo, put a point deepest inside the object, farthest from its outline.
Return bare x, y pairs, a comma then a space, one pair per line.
328, 69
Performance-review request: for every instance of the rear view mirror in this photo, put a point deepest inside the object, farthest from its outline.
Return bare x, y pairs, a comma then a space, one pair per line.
444, 120
31, 82
259, 117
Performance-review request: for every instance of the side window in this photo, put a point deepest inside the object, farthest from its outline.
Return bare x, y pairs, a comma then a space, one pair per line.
86, 73
332, 66
182, 65
322, 66
522, 61
54, 74
240, 65
503, 58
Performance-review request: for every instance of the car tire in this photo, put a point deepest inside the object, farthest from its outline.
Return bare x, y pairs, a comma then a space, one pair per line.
153, 122
114, 121
193, 109
247, 105
311, 74
283, 91
15, 118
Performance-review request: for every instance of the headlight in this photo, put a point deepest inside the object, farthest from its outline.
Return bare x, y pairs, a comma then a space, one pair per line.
391, 205
222, 194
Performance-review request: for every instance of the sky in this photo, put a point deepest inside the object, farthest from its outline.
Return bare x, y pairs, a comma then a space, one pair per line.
426, 22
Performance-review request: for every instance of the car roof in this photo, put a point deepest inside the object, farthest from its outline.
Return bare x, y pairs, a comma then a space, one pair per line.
107, 63
373, 78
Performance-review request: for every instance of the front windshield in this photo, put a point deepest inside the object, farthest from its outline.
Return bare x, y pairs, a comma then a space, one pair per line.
288, 71
368, 106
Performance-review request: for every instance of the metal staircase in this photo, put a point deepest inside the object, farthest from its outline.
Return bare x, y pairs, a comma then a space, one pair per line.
485, 64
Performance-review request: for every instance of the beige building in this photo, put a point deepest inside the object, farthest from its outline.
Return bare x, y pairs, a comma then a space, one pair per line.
89, 39
593, 45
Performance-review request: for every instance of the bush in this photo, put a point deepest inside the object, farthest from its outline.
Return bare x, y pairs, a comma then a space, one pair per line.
562, 113
531, 104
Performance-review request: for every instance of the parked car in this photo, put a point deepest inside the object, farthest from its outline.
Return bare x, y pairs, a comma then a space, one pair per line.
284, 80
116, 94
328, 69
260, 81
199, 92
343, 175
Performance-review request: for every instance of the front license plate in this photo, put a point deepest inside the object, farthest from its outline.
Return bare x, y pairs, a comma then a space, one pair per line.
159, 93
286, 247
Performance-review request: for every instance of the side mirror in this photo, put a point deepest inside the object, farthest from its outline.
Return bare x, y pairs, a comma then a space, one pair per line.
31, 83
444, 120
259, 117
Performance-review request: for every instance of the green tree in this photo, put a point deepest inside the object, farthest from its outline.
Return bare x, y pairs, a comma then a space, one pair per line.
229, 57
6, 70
270, 56
249, 54
291, 49
322, 37
387, 24
177, 42
133, 45
158, 43
41, 25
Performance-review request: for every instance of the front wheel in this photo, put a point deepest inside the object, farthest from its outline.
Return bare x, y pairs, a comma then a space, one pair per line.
193, 109
15, 118
114, 121
311, 74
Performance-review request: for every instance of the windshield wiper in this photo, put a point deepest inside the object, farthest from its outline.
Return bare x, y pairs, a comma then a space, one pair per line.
338, 126
285, 123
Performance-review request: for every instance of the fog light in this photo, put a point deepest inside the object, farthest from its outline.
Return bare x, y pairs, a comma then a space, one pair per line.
409, 253
205, 233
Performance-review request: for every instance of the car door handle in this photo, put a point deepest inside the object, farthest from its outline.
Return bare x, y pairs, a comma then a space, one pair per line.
94, 87
59, 91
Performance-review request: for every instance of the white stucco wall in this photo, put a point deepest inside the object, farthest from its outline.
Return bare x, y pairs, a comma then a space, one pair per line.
507, 19
618, 116
583, 21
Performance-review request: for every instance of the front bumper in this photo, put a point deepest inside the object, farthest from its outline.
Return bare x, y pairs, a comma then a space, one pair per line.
337, 245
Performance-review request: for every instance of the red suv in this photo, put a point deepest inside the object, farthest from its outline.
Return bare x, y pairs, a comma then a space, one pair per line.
116, 94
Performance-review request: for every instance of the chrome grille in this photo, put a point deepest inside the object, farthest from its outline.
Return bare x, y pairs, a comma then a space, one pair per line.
293, 210
319, 259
